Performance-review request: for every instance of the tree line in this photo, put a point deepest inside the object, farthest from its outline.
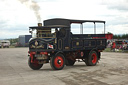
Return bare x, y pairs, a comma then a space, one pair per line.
117, 36
123, 36
14, 40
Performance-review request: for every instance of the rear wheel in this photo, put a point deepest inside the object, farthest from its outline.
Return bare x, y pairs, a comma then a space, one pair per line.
91, 59
34, 65
57, 62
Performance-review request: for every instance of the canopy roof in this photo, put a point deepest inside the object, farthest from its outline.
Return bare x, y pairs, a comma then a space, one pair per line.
61, 22
77, 21
68, 22
83, 21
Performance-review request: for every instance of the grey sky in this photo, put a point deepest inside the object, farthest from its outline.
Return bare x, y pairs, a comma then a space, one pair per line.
16, 17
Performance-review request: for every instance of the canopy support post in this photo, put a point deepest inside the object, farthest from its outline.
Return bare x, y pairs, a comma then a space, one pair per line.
81, 26
104, 28
94, 28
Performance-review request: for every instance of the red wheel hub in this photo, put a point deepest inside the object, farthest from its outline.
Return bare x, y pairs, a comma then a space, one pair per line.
58, 61
94, 58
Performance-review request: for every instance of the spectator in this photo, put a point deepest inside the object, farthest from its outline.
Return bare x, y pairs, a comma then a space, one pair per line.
114, 46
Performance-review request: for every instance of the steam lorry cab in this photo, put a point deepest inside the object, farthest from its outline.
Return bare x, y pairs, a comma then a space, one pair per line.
55, 43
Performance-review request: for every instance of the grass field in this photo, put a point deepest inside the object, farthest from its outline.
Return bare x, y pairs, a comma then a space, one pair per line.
109, 50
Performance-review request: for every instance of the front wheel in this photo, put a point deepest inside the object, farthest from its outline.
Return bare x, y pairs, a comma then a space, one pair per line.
91, 59
57, 62
34, 65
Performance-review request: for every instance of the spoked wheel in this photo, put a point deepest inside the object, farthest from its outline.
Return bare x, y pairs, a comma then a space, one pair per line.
34, 65
69, 62
91, 59
57, 62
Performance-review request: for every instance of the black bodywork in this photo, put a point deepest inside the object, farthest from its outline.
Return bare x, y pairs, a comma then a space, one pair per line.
65, 40
55, 42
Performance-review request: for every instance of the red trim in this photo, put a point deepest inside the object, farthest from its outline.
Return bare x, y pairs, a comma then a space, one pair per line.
40, 53
31, 55
44, 53
32, 52
107, 36
58, 61
94, 58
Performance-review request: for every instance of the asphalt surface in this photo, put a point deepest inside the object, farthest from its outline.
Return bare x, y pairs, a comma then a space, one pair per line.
112, 69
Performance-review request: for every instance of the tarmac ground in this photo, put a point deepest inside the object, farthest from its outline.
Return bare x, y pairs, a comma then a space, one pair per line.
112, 69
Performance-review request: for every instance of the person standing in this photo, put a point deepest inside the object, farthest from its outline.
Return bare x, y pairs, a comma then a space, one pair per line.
114, 46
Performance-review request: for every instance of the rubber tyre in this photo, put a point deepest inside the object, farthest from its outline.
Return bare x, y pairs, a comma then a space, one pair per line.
34, 66
69, 62
91, 59
57, 62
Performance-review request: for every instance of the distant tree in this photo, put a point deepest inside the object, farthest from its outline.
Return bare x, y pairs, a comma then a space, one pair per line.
109, 33
13, 40
118, 36
124, 36
114, 36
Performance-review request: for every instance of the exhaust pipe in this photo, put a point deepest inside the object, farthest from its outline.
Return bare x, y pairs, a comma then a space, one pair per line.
39, 24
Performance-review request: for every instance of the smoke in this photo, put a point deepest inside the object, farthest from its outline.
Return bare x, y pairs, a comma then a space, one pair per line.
34, 6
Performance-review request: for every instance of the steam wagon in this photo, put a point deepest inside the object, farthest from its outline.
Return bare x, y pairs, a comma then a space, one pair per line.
55, 43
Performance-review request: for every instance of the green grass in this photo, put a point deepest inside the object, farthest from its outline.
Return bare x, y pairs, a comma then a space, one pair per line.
109, 50
11, 46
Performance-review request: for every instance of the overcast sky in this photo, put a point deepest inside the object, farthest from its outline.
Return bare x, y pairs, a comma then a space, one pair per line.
17, 15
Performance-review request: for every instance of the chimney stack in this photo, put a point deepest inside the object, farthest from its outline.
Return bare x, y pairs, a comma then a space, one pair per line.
39, 24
